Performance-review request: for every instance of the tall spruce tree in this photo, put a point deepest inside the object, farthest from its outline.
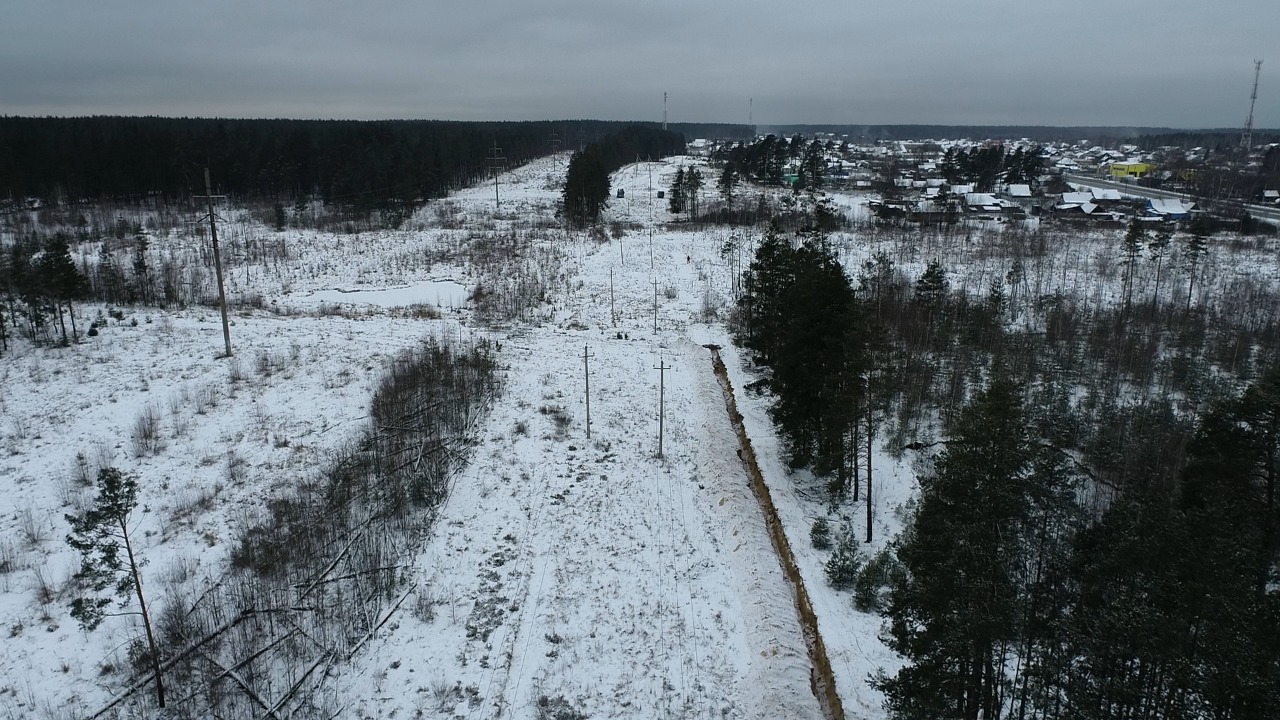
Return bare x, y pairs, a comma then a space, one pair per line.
62, 281
955, 614
1193, 255
676, 199
1131, 248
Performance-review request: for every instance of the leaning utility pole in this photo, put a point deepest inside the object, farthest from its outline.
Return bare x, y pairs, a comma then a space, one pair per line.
661, 368
586, 371
1246, 139
217, 261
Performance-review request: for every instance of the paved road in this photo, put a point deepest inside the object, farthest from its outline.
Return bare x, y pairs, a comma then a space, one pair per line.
1260, 212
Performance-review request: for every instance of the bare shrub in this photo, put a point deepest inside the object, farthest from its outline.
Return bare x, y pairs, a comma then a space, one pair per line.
178, 415
9, 557
193, 502
18, 428
266, 364
46, 590
31, 526
424, 607
81, 472
235, 373
559, 417
180, 570
208, 397
146, 433
70, 491
422, 311
446, 695
237, 468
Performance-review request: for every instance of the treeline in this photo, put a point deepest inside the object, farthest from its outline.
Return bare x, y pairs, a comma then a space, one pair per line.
1098, 537
1037, 133
586, 184
984, 166
1009, 599
365, 164
1219, 140
767, 160
39, 284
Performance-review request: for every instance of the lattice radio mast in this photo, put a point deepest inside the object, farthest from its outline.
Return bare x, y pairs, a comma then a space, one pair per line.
1246, 139
664, 109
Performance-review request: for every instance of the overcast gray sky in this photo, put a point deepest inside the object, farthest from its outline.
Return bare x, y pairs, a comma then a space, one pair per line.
1179, 63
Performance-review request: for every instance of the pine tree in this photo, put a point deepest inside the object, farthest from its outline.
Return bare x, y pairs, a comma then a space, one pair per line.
814, 166
932, 287
99, 534
728, 181
692, 185
1193, 254
143, 282
955, 613
675, 200
1131, 248
586, 186
1159, 247
62, 279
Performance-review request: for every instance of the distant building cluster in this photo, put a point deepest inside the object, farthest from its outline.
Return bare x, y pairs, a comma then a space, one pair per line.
946, 181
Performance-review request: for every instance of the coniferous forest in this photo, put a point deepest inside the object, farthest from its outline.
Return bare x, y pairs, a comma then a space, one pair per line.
586, 184
362, 164
1096, 534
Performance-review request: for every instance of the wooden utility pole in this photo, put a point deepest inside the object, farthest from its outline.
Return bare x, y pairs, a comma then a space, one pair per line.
661, 368
650, 166
655, 306
217, 263
586, 372
613, 315
495, 162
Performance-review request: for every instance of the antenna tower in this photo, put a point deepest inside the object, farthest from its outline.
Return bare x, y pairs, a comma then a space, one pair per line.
664, 109
1246, 139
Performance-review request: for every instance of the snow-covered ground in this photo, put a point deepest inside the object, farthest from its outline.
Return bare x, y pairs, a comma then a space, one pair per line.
588, 571
562, 569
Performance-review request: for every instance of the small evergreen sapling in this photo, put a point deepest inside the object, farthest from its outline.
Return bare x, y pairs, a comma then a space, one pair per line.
843, 565
820, 534
99, 534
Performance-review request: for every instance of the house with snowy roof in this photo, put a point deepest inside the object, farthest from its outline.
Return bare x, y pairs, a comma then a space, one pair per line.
1169, 209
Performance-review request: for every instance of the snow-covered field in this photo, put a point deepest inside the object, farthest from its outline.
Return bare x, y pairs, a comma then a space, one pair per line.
562, 569
563, 572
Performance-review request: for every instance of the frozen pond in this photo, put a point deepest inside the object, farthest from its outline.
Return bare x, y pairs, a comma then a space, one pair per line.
441, 293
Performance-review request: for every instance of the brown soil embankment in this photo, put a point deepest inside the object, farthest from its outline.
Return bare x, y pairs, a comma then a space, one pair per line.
822, 680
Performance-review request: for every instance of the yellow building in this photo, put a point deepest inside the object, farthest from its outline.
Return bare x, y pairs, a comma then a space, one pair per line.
1126, 170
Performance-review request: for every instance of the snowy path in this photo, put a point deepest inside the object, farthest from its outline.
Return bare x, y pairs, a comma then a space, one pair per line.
630, 586
592, 572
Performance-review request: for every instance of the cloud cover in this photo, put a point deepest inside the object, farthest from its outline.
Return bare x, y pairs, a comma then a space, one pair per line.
1181, 63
